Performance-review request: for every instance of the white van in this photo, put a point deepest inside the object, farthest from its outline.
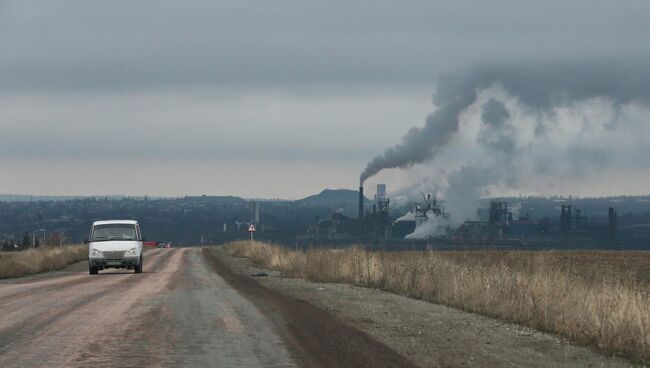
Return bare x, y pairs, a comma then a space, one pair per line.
115, 244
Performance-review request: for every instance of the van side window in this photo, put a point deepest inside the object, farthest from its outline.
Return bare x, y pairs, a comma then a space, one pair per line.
137, 228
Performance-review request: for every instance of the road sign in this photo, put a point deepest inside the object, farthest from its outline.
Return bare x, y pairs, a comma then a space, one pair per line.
251, 230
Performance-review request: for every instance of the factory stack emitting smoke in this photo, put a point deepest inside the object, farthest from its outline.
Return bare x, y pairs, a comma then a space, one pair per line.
422, 144
539, 91
361, 209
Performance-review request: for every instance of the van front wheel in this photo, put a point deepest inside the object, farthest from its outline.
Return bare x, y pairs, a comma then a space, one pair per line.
138, 268
93, 270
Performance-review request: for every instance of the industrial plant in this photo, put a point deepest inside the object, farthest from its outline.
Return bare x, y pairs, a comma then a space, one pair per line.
534, 223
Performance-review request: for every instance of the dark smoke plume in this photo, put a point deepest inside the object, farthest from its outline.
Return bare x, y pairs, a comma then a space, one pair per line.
539, 88
495, 133
421, 144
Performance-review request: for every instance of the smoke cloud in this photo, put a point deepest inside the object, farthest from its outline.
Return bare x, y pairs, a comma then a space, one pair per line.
495, 133
409, 216
433, 226
539, 93
540, 88
422, 144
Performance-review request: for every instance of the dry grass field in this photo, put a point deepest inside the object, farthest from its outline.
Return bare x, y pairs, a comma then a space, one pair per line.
16, 264
598, 298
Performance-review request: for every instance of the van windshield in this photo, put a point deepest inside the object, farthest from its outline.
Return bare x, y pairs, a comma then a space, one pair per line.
114, 232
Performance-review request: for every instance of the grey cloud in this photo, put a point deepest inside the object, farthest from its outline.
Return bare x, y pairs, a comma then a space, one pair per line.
123, 45
544, 86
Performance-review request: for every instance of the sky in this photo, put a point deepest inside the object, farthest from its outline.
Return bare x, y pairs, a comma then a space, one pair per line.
283, 99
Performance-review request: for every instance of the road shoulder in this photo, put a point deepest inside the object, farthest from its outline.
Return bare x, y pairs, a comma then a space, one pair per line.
430, 335
315, 338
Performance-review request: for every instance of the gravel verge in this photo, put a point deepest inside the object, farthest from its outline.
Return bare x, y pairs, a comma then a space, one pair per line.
430, 335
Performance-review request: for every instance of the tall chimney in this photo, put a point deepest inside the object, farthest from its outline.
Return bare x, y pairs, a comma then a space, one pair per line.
360, 202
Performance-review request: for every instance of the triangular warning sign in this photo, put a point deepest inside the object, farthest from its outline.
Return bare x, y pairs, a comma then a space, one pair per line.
251, 228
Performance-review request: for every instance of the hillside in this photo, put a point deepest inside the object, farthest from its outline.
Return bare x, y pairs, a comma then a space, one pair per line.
333, 198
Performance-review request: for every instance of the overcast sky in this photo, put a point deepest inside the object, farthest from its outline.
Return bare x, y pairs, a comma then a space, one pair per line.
261, 98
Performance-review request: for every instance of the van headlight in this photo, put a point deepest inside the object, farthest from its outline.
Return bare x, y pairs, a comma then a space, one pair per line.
131, 252
96, 253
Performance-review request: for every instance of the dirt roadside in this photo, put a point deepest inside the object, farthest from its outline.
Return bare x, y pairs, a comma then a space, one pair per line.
428, 334
315, 337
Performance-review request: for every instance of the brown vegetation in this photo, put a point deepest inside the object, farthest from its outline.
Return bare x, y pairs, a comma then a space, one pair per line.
16, 264
599, 298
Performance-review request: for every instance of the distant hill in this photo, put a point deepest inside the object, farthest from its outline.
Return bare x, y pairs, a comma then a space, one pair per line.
30, 198
333, 198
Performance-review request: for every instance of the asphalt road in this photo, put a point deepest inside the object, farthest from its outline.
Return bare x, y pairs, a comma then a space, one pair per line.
184, 310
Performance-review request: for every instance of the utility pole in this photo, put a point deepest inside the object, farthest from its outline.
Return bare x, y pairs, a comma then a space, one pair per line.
34, 236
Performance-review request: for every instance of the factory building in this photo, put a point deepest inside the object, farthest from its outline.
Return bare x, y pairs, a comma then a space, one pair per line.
376, 224
371, 223
499, 225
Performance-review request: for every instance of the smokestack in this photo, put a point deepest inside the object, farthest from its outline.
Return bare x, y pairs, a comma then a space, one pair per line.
360, 202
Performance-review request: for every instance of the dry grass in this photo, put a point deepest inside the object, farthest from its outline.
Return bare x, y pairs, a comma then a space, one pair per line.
598, 298
16, 264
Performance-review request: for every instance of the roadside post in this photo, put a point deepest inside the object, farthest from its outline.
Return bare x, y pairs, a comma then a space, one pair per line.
251, 230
